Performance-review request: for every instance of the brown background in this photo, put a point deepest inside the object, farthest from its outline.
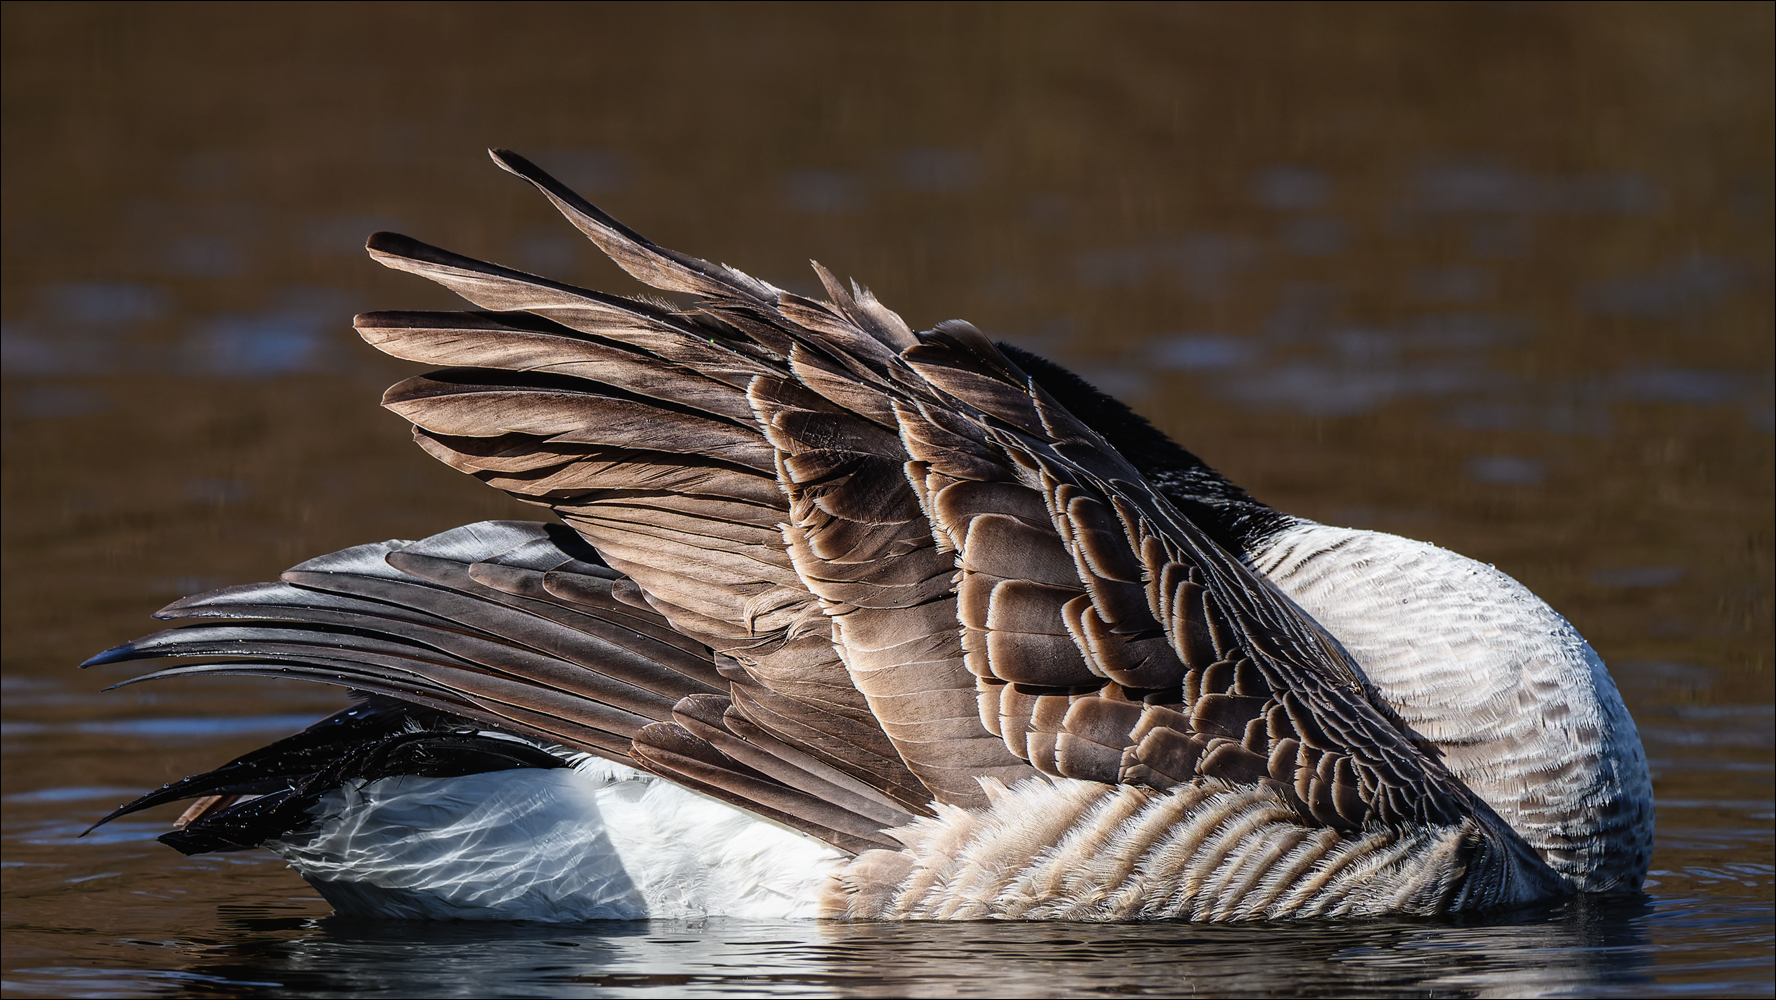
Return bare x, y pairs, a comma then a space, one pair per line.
1493, 275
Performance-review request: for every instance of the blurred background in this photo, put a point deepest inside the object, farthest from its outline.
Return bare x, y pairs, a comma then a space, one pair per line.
1497, 276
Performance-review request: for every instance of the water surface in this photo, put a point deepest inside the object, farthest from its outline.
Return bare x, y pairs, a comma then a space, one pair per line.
1494, 276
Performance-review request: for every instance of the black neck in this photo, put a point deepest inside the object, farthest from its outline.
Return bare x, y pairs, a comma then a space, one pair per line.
1227, 513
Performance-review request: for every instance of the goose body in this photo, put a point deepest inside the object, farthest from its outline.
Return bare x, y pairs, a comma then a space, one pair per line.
850, 621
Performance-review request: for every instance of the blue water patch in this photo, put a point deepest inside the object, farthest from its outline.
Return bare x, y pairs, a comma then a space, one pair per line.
95, 328
259, 345
824, 191
1330, 389
1638, 576
68, 831
24, 352
86, 981
105, 302
1652, 384
81, 328
1201, 351
936, 170
76, 794
38, 349
1556, 416
1200, 263
1682, 287
1485, 187
1505, 470
1294, 188
1332, 370
189, 726
292, 335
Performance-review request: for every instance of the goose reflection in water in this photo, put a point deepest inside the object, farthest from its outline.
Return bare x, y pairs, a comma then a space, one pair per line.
846, 620
1582, 945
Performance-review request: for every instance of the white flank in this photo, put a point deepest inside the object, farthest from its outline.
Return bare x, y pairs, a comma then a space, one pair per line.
595, 842
1522, 708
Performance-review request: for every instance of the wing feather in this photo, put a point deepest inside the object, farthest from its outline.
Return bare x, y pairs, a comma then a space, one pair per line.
956, 575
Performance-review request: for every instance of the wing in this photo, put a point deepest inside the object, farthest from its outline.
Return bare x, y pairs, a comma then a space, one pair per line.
640, 427
1161, 658
513, 626
909, 559
635, 428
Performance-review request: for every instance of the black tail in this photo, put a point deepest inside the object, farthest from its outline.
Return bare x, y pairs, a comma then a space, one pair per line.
270, 792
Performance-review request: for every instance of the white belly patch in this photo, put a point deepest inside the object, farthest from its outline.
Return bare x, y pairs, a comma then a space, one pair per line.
595, 842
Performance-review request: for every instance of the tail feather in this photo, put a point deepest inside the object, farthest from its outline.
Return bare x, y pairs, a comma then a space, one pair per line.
378, 737
491, 628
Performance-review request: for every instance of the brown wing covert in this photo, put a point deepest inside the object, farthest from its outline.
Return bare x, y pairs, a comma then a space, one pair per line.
911, 562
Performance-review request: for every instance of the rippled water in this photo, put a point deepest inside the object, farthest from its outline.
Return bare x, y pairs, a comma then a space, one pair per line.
116, 914
1496, 276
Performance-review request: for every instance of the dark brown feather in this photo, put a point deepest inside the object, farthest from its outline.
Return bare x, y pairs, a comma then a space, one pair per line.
902, 561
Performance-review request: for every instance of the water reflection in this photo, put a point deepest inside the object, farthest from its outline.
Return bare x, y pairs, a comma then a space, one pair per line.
1485, 188
1681, 288
241, 925
89, 329
1593, 949
1505, 470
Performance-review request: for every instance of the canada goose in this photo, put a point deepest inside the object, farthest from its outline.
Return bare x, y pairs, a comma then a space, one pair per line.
846, 620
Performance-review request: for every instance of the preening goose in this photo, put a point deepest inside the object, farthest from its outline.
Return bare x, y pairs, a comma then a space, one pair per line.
847, 620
